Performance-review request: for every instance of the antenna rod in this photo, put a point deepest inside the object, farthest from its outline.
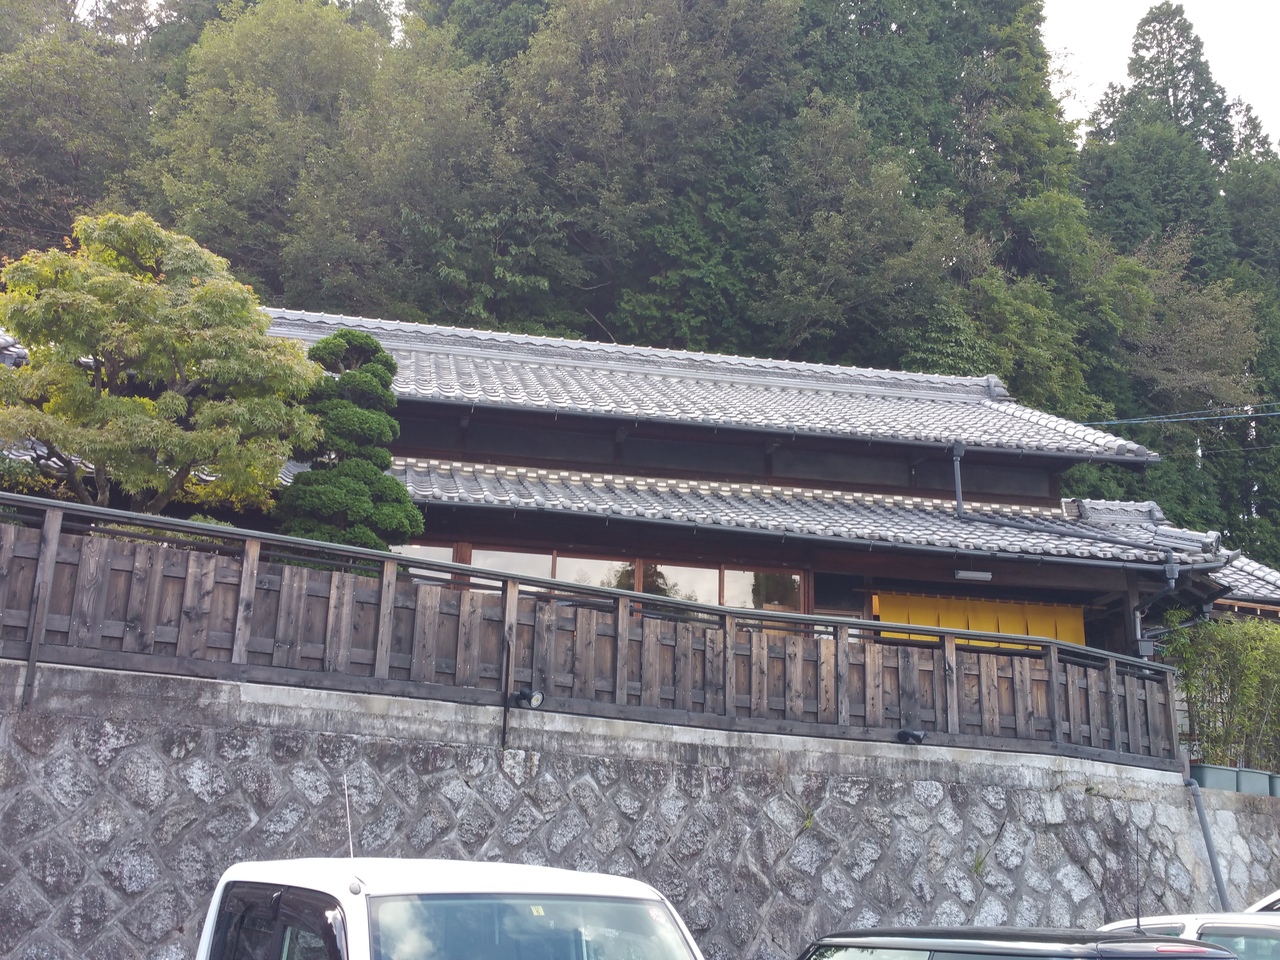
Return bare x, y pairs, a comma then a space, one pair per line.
1137, 883
346, 795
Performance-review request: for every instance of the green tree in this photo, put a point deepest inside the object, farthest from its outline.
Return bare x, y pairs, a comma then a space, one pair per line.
1229, 674
246, 146
346, 497
151, 372
66, 141
848, 263
649, 127
492, 31
1170, 82
22, 20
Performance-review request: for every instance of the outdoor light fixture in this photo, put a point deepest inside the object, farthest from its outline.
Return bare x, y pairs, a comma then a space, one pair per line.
973, 574
527, 698
911, 736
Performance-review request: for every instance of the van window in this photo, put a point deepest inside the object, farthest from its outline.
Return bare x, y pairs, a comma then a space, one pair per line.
259, 921
523, 927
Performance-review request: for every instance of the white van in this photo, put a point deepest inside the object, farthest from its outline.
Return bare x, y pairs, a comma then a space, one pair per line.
389, 909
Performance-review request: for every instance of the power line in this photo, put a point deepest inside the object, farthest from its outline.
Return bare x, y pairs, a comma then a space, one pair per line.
1190, 413
1185, 418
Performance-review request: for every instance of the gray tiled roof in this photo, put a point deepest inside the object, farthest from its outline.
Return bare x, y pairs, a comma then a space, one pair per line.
838, 515
1250, 580
12, 353
482, 368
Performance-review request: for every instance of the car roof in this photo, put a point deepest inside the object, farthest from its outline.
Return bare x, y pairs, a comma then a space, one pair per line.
1268, 903
388, 876
1195, 919
1014, 940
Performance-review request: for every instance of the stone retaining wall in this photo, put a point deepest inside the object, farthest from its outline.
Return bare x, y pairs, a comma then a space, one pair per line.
123, 796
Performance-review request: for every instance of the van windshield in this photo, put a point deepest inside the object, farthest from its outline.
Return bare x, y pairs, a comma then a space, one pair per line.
523, 927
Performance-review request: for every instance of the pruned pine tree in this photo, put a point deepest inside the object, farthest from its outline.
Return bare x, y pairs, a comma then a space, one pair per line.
345, 496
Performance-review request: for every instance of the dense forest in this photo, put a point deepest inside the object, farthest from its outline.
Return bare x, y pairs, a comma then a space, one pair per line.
886, 183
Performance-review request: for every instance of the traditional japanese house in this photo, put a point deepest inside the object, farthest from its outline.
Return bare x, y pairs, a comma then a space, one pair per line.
909, 498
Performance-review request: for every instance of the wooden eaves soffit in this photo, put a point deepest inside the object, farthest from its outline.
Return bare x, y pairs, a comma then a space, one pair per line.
857, 483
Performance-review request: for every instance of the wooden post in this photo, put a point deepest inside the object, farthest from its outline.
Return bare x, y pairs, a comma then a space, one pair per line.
1113, 704
793, 678
1054, 671
1171, 715
426, 627
989, 695
621, 649
759, 673
197, 597
684, 666
842, 675
584, 655
50, 536
730, 666
827, 679
244, 602
1133, 711
874, 683
90, 595
510, 616
908, 687
1023, 702
386, 620
544, 639
1078, 707
650, 662
337, 637
293, 594
8, 538
951, 683
466, 670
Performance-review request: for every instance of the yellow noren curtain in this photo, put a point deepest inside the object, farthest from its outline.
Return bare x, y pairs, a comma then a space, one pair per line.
1055, 621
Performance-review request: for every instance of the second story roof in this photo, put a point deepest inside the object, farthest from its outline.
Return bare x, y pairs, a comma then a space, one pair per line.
479, 368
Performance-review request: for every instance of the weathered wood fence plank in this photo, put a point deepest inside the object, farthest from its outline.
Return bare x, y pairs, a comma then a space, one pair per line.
650, 662
244, 601
621, 649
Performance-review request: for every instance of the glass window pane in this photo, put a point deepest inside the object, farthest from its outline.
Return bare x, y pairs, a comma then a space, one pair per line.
838, 591
424, 551
523, 927
513, 561
597, 573
683, 583
762, 589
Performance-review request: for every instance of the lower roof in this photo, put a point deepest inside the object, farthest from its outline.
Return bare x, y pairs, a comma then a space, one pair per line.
1250, 581
1095, 531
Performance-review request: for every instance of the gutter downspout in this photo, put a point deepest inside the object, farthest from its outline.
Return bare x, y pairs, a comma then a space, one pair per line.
1208, 844
957, 451
1146, 645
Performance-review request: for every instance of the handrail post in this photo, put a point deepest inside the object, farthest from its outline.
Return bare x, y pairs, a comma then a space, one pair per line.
50, 535
510, 613
951, 683
244, 603
386, 620
1054, 671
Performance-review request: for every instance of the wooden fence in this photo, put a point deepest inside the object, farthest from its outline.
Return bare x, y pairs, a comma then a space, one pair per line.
122, 591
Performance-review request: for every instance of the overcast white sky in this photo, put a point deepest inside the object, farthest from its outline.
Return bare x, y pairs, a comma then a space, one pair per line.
1093, 37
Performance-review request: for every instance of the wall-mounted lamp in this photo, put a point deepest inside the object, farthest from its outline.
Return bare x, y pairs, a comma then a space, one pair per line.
911, 736
973, 575
527, 698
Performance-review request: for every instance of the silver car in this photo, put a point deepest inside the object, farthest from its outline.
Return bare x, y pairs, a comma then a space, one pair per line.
1250, 936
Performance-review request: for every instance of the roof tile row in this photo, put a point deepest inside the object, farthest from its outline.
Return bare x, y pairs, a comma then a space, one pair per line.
480, 368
